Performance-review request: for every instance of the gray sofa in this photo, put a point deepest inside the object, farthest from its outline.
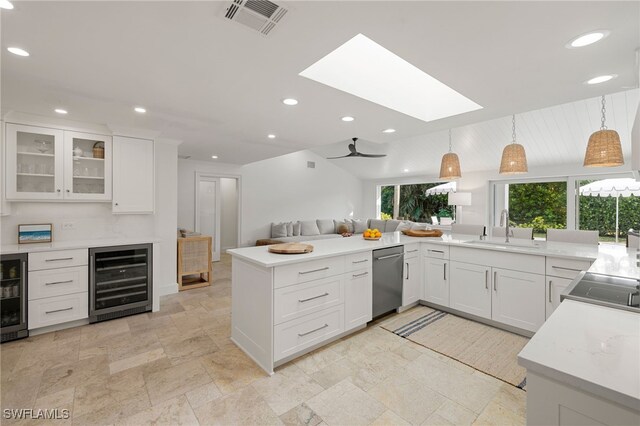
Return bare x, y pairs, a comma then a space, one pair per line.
323, 229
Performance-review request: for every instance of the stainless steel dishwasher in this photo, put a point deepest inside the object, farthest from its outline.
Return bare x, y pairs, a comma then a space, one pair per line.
387, 279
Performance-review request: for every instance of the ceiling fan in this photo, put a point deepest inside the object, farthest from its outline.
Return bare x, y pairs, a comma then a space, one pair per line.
354, 152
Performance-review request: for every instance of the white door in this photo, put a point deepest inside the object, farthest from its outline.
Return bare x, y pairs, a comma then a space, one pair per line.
358, 298
411, 284
555, 287
518, 299
133, 175
471, 289
436, 282
208, 210
87, 175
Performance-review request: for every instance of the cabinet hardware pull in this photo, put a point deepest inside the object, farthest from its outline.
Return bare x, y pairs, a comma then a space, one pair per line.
58, 259
407, 263
436, 251
495, 281
550, 291
360, 275
68, 190
313, 331
412, 251
566, 269
389, 256
59, 310
59, 282
315, 270
312, 298
445, 270
360, 261
486, 279
24, 299
57, 190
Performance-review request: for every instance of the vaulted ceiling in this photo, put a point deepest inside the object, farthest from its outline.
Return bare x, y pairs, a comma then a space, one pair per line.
218, 85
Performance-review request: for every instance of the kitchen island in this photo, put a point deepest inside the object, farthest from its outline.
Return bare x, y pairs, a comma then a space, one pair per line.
286, 305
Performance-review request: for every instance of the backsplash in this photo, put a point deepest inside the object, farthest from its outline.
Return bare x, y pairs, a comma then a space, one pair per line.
87, 220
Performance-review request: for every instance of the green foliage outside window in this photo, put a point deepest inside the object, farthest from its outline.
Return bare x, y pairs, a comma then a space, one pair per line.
414, 204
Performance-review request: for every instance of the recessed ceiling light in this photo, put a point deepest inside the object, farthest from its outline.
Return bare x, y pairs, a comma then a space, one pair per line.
290, 101
587, 39
365, 69
18, 51
389, 131
347, 118
5, 4
271, 136
214, 156
406, 170
61, 111
140, 110
601, 79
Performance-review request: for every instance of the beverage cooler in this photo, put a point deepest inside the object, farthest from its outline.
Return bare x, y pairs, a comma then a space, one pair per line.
13, 297
120, 281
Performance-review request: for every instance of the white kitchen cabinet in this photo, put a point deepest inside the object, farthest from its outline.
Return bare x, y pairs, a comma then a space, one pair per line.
133, 175
436, 282
554, 288
87, 176
4, 206
471, 288
33, 163
358, 299
411, 281
518, 299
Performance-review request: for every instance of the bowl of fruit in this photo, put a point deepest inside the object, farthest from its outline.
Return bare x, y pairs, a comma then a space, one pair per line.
372, 234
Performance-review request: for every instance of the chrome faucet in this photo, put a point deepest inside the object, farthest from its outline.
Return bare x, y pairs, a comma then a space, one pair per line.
505, 214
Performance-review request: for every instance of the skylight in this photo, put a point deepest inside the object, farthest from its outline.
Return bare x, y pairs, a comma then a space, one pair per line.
365, 69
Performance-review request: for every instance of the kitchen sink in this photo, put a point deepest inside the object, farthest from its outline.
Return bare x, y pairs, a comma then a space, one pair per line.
502, 244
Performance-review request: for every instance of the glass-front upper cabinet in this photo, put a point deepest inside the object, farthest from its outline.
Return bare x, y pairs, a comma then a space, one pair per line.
87, 165
34, 163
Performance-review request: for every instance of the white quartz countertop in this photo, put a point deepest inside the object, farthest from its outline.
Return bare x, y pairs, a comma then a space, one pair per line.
70, 245
617, 260
339, 246
589, 347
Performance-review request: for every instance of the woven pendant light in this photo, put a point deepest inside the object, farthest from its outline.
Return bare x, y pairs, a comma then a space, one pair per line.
604, 148
514, 158
450, 164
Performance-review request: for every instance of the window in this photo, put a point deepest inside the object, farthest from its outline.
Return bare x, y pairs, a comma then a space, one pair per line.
410, 202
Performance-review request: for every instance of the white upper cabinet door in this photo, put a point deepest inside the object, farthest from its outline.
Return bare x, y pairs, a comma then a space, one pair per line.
436, 281
33, 163
358, 298
554, 288
133, 175
87, 166
471, 288
518, 299
412, 280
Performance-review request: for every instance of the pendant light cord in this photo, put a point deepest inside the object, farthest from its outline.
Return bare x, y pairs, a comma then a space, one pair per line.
513, 128
450, 146
602, 126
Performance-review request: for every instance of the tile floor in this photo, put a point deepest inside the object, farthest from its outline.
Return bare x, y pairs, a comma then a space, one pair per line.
178, 366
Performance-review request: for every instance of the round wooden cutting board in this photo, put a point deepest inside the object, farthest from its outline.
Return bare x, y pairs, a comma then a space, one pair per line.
291, 248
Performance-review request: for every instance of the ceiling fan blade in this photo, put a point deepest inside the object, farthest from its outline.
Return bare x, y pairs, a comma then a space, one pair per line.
372, 155
353, 154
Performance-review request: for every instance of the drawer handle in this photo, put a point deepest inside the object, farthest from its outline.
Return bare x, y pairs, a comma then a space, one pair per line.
315, 270
58, 259
389, 256
360, 275
495, 281
59, 310
312, 298
313, 331
436, 251
360, 261
566, 269
486, 279
550, 291
59, 282
412, 251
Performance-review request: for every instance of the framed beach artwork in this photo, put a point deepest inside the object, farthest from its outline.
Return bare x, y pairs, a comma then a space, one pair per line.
39, 233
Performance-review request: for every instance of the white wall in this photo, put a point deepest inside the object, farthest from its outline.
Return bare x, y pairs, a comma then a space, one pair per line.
278, 189
228, 213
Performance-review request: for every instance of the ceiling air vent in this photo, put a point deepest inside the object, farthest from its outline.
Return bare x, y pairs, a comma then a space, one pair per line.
259, 15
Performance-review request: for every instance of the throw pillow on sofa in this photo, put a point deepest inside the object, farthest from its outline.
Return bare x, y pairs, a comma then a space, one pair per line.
391, 225
296, 229
309, 227
377, 224
359, 226
278, 230
405, 226
326, 226
338, 224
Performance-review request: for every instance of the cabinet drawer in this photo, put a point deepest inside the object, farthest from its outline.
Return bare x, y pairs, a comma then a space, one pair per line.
411, 250
296, 301
308, 271
59, 309
57, 282
356, 261
566, 268
435, 250
294, 336
57, 259
500, 259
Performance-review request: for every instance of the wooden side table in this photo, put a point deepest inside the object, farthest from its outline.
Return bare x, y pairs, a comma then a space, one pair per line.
194, 262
